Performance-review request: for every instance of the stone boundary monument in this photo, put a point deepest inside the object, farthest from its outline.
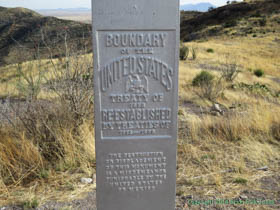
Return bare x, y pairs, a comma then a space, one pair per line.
136, 51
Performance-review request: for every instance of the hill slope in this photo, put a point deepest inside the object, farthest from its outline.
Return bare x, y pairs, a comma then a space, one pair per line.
233, 19
21, 28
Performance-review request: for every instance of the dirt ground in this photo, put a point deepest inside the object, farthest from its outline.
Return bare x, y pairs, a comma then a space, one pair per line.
269, 190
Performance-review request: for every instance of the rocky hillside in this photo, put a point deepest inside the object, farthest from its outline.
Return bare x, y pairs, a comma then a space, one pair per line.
186, 15
237, 19
21, 32
21, 29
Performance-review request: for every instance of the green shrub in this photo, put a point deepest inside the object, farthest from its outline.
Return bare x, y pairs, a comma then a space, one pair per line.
181, 112
184, 52
256, 89
203, 78
259, 72
194, 54
230, 23
44, 174
240, 181
210, 50
275, 129
277, 94
262, 22
257, 14
30, 204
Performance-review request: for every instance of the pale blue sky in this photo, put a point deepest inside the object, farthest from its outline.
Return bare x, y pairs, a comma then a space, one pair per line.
54, 4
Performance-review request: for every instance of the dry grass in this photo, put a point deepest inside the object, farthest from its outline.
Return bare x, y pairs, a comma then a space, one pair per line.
213, 151
9, 75
228, 142
26, 172
243, 52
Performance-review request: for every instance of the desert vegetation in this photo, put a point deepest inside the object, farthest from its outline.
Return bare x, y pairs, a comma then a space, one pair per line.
229, 114
227, 134
46, 130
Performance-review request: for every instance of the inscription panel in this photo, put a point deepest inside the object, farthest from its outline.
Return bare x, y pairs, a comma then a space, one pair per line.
135, 172
137, 79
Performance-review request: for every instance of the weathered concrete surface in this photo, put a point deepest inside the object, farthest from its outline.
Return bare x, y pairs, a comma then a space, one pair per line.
136, 97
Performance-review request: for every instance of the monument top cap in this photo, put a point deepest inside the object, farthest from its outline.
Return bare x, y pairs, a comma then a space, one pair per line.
135, 14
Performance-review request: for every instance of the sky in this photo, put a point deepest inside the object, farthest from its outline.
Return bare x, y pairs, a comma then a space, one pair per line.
54, 4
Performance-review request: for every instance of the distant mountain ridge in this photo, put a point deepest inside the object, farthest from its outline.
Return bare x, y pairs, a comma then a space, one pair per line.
201, 7
20, 31
65, 9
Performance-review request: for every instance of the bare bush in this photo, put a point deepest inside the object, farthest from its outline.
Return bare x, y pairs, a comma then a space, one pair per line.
230, 72
67, 75
56, 108
71, 77
207, 86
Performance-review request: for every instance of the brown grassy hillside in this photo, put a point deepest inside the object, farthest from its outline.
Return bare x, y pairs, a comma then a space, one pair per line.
238, 19
21, 32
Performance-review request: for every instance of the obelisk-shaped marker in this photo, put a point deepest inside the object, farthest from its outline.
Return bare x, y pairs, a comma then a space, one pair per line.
136, 98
